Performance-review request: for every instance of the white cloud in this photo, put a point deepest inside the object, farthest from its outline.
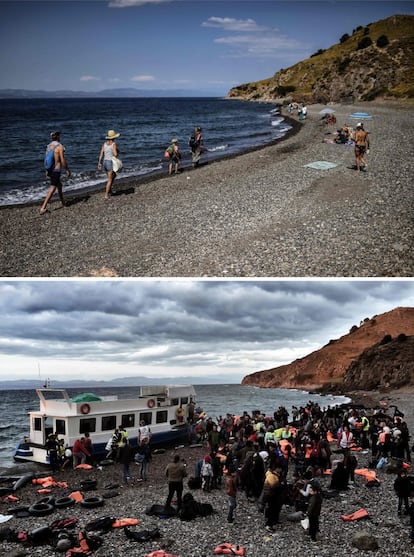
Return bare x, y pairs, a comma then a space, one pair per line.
261, 45
143, 78
90, 78
231, 24
132, 3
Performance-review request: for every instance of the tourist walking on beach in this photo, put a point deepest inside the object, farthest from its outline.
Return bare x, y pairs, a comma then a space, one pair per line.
109, 150
361, 145
172, 153
196, 146
54, 171
176, 472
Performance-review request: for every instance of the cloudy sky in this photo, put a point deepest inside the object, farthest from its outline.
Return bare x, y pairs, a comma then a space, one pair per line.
205, 45
167, 328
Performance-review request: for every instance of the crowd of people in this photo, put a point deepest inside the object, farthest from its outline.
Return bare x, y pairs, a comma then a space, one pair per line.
274, 460
56, 163
280, 459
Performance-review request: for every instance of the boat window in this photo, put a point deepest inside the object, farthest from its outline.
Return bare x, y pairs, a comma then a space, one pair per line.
174, 402
128, 420
87, 425
161, 417
146, 416
60, 427
184, 400
108, 422
37, 424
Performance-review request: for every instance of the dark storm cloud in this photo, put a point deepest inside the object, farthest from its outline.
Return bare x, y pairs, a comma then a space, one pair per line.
184, 323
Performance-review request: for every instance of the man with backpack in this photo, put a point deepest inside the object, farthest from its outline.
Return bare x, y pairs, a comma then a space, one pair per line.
196, 145
54, 162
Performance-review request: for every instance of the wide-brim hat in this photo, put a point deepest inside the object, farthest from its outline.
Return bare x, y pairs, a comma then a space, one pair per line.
112, 134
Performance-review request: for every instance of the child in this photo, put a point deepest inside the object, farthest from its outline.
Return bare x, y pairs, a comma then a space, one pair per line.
230, 487
206, 473
173, 154
402, 487
314, 509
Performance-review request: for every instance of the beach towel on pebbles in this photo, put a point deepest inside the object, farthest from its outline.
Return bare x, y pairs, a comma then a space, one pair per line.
321, 165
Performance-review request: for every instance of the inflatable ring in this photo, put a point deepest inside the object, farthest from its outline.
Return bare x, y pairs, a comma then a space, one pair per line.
49, 500
85, 408
151, 403
41, 509
15, 510
88, 485
92, 502
64, 502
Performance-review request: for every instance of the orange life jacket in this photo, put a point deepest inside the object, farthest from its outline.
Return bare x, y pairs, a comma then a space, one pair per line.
229, 549
357, 515
77, 495
122, 522
160, 553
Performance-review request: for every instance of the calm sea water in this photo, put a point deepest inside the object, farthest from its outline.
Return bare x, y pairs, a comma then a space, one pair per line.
146, 126
214, 399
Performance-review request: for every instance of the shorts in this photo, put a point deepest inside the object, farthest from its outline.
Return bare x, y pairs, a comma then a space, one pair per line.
361, 149
107, 164
54, 177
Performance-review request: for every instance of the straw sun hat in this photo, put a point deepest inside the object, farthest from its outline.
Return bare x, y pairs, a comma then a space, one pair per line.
112, 134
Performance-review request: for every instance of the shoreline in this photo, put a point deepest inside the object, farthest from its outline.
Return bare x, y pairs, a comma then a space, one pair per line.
156, 175
258, 214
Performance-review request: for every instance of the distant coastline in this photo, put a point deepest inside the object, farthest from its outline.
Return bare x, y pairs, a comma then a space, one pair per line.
104, 94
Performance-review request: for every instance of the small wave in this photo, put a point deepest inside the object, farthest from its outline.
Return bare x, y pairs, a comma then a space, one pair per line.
277, 121
218, 148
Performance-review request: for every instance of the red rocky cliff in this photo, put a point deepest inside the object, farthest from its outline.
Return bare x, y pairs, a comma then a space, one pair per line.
327, 365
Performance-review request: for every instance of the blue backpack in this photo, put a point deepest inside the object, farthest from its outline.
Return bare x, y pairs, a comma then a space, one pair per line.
50, 158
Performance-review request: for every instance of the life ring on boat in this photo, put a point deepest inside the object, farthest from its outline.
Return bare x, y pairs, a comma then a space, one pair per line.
85, 408
180, 413
151, 403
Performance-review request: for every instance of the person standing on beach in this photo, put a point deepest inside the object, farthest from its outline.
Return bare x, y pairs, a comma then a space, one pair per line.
124, 457
196, 146
109, 149
314, 509
172, 153
230, 487
361, 146
176, 472
54, 172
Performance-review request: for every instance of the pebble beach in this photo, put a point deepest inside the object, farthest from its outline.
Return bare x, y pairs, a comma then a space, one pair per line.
200, 537
260, 214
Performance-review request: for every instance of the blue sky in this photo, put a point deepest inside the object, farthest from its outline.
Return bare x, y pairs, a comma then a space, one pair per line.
222, 330
202, 45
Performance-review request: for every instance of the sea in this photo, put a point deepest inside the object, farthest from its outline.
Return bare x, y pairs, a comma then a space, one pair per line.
215, 400
146, 125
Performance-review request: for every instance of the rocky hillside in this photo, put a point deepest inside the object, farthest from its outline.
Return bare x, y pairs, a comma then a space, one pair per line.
326, 368
376, 61
389, 364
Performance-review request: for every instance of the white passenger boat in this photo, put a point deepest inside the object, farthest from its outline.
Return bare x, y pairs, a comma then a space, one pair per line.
164, 409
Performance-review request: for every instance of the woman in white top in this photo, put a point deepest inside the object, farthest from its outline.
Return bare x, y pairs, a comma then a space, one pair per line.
109, 150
